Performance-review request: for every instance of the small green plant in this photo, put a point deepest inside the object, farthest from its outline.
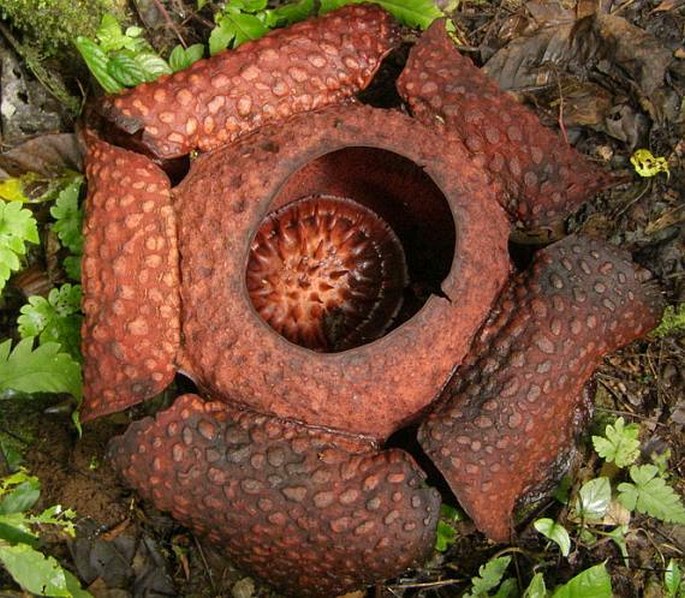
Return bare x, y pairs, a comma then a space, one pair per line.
35, 572
620, 443
68, 215
181, 58
446, 534
17, 228
120, 59
593, 500
239, 22
55, 319
244, 20
673, 580
555, 532
14, 189
648, 493
489, 577
47, 368
592, 582
598, 504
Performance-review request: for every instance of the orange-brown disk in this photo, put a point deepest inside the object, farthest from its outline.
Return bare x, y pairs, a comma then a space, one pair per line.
542, 177
315, 513
327, 273
304, 67
130, 280
508, 412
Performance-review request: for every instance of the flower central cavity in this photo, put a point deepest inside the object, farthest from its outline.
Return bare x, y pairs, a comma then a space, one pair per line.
326, 273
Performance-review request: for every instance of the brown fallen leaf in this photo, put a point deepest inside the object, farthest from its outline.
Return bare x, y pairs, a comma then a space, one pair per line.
629, 55
46, 155
606, 49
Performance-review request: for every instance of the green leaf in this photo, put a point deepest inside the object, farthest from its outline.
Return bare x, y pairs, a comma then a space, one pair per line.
445, 536
536, 588
152, 65
252, 6
45, 369
241, 27
97, 61
620, 443
15, 529
17, 227
446, 533
508, 589
111, 36
121, 59
661, 461
220, 38
287, 14
650, 494
591, 583
181, 58
134, 31
55, 515
413, 13
33, 571
125, 69
32, 187
18, 492
72, 266
74, 586
55, 319
329, 5
555, 532
20, 498
593, 500
69, 216
489, 577
673, 579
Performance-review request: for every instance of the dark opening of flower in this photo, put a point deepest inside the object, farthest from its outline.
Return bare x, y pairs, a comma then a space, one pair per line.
327, 273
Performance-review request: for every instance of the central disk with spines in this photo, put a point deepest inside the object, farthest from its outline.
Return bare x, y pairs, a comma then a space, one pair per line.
326, 273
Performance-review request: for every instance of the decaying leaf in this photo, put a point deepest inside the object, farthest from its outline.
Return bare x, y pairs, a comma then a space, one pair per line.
607, 58
46, 155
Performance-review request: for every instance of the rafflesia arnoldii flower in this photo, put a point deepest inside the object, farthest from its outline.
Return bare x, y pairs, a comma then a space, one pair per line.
328, 272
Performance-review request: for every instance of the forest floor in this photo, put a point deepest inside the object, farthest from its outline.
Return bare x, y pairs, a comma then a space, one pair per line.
629, 96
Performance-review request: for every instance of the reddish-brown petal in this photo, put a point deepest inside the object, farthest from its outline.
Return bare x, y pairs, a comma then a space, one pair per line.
314, 513
130, 280
304, 67
508, 412
435, 199
542, 177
